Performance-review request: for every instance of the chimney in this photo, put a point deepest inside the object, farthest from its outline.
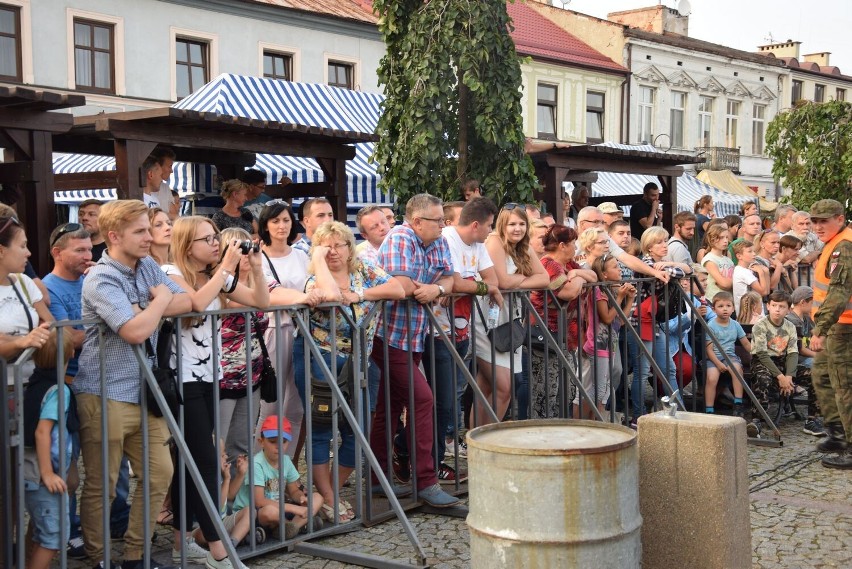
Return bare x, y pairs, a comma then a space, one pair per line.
820, 59
788, 48
657, 19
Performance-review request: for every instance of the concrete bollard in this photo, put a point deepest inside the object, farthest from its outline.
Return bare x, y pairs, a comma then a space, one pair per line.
693, 490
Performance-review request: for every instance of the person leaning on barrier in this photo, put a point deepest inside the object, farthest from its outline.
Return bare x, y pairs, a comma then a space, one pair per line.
566, 283
161, 235
593, 243
209, 279
342, 277
537, 230
811, 244
788, 256
374, 227
684, 231
315, 212
417, 255
517, 267
831, 338
128, 293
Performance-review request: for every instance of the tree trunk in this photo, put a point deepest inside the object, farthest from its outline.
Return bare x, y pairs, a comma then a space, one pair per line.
464, 99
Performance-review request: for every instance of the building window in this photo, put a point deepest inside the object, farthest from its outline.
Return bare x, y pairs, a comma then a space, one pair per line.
819, 93
191, 66
732, 119
94, 56
841, 95
594, 116
676, 113
546, 110
646, 114
797, 90
340, 74
757, 129
277, 65
705, 120
10, 43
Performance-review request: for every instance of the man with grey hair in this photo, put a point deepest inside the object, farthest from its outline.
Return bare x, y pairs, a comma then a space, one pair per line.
784, 218
811, 245
418, 256
592, 217
373, 226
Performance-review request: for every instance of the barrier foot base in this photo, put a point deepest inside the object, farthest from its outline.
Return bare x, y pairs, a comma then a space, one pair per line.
355, 558
765, 442
453, 512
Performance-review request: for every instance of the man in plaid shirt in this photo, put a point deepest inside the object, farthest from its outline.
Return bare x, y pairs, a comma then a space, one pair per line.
417, 255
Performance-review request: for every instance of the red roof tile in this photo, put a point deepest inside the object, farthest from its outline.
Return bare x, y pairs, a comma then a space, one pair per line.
359, 10
538, 37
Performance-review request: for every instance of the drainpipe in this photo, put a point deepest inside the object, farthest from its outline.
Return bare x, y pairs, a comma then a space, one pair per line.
625, 123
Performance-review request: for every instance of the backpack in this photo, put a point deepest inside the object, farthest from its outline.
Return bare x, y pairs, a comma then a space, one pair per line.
40, 383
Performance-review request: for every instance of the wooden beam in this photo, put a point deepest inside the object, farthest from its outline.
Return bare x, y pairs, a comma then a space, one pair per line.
75, 144
16, 172
582, 177
35, 120
129, 155
622, 166
173, 135
308, 190
86, 180
668, 199
37, 208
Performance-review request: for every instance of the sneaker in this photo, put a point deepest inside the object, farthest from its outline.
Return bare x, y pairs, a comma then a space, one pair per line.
213, 563
401, 467
813, 426
139, 564
447, 474
291, 530
753, 429
398, 491
739, 411
194, 552
76, 548
437, 498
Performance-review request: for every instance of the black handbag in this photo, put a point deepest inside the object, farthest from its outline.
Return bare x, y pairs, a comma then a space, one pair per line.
268, 380
322, 394
165, 377
506, 337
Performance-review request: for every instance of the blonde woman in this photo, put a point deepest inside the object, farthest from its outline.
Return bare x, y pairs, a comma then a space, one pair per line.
517, 267
235, 194
537, 230
208, 278
161, 235
593, 244
343, 277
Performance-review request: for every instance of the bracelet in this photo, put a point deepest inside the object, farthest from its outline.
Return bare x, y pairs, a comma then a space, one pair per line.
481, 288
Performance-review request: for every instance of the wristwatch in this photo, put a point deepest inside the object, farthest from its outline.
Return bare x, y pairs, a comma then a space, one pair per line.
441, 291
360, 293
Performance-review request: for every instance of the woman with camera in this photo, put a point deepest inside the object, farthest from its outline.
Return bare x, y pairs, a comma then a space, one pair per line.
341, 276
209, 279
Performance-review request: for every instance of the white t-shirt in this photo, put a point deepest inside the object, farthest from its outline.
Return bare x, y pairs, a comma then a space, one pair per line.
14, 321
290, 271
743, 278
151, 200
196, 344
468, 261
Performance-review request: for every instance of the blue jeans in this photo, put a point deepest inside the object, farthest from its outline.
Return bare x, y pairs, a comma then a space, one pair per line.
322, 435
663, 359
443, 380
119, 513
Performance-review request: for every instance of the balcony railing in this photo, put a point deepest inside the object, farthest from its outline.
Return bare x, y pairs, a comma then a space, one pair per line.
719, 158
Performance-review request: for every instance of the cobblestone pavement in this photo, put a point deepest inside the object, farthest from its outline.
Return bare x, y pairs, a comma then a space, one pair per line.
801, 517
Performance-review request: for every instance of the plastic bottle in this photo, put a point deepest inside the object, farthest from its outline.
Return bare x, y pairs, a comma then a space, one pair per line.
493, 315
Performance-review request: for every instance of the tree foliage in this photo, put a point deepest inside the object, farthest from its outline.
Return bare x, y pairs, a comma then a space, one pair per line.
811, 145
453, 110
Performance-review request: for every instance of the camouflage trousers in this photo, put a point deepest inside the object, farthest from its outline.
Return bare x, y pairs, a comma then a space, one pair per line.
549, 382
832, 378
765, 385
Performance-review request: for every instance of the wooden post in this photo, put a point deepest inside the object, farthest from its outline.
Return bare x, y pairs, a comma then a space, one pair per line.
129, 156
668, 199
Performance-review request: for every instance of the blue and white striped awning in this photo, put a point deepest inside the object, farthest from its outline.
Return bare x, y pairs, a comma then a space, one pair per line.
306, 104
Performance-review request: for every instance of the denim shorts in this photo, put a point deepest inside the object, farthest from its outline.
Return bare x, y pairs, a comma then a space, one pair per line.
734, 359
43, 507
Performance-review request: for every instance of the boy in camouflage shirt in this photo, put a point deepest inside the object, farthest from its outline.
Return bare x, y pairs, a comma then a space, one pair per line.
774, 351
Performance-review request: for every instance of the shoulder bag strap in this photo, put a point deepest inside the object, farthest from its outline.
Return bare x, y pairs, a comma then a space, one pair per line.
258, 335
24, 304
271, 267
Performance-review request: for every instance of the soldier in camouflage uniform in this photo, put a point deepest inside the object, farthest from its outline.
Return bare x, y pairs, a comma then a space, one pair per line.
774, 353
831, 338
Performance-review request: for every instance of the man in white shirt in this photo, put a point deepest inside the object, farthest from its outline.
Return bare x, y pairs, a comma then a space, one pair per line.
166, 159
684, 230
315, 212
152, 173
801, 230
373, 226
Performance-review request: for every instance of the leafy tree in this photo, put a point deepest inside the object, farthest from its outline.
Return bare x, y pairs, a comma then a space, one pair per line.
453, 108
811, 145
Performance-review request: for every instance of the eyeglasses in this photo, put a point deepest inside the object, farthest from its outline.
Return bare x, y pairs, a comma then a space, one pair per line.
339, 247
604, 242
210, 239
9, 221
438, 220
593, 222
64, 230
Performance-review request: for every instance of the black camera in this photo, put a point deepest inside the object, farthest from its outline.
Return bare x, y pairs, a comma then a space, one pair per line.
248, 246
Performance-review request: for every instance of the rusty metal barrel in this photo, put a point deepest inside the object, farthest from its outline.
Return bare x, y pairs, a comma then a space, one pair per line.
554, 493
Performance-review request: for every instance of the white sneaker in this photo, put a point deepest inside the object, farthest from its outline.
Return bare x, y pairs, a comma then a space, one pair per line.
194, 552
212, 563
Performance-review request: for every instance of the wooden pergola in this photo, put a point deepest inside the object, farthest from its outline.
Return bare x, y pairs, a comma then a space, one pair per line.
27, 128
555, 164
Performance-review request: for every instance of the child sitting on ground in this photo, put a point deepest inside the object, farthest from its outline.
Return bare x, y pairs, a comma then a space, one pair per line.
800, 315
775, 354
44, 476
728, 332
750, 309
266, 484
748, 275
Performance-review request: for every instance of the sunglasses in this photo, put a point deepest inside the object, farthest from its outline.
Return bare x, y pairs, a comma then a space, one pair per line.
511, 206
64, 230
10, 221
277, 202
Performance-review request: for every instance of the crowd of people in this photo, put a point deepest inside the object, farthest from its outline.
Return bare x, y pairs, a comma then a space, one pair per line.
132, 264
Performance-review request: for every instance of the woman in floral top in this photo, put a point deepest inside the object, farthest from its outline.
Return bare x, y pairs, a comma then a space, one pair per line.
338, 273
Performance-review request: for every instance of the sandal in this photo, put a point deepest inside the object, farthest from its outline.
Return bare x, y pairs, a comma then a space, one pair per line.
350, 511
327, 514
166, 517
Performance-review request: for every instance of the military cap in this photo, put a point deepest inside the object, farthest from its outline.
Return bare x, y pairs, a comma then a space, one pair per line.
823, 209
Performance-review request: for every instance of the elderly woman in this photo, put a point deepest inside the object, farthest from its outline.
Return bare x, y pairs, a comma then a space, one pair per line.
235, 194
593, 244
654, 332
517, 267
566, 283
537, 230
342, 276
